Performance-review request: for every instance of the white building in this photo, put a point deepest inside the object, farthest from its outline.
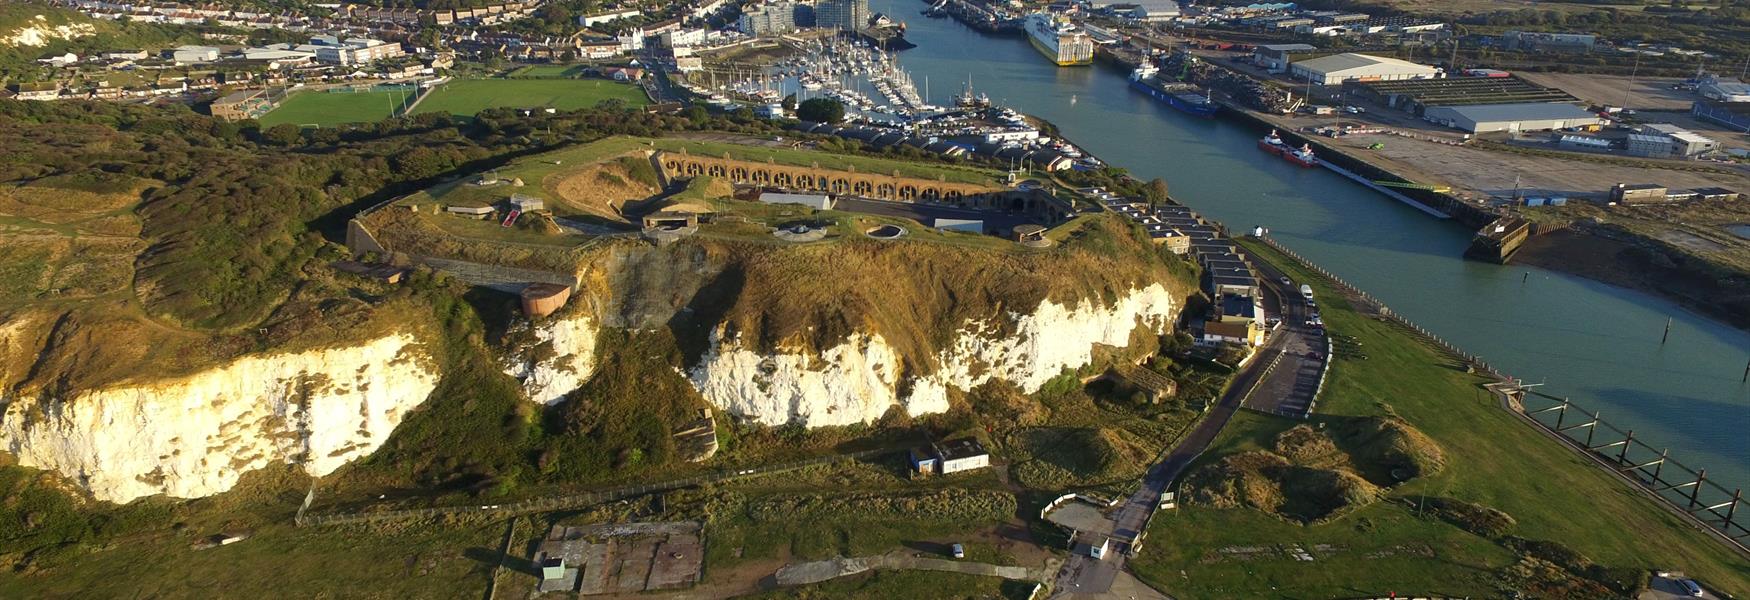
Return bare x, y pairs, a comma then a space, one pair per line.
354, 51
815, 201
943, 458
194, 55
1338, 68
606, 17
1530, 116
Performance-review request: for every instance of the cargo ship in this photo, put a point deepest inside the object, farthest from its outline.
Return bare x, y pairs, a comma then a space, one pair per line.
1181, 96
1059, 41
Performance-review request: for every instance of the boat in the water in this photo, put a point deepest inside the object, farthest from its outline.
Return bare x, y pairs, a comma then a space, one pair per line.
1273, 144
1302, 156
1060, 41
1182, 96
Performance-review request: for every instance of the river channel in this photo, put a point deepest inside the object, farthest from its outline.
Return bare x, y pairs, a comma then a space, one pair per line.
1596, 343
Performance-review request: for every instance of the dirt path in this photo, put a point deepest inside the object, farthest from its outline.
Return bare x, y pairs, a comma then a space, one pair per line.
822, 570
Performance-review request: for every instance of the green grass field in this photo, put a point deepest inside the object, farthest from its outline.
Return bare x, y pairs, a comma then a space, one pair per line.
469, 96
548, 71
329, 109
1493, 459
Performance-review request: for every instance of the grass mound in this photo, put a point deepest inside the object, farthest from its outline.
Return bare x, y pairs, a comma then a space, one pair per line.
1312, 474
1469, 516
1389, 450
604, 189
1064, 457
1271, 483
1303, 444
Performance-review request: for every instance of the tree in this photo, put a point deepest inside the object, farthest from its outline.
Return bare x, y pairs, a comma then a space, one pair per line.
283, 134
821, 110
1156, 192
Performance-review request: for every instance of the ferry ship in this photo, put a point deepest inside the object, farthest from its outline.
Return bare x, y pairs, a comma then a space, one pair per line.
1179, 96
1059, 41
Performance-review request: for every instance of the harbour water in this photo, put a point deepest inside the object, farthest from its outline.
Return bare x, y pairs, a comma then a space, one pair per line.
1598, 344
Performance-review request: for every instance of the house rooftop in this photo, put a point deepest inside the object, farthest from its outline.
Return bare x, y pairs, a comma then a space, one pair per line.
959, 449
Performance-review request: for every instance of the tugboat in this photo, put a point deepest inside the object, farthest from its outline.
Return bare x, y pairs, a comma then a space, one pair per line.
1303, 157
970, 100
1273, 144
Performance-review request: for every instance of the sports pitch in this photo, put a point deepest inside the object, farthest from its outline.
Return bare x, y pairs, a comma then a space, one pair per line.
469, 96
462, 98
327, 109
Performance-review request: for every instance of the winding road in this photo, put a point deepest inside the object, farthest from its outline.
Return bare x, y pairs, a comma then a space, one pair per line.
1083, 576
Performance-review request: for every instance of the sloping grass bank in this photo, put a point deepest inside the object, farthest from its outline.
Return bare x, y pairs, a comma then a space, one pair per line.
1398, 544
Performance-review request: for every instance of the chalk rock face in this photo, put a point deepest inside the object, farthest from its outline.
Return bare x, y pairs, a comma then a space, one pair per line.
194, 436
1053, 338
860, 379
563, 365
853, 382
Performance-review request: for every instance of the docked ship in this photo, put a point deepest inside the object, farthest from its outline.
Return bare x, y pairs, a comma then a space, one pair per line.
1273, 144
1059, 41
1177, 95
1303, 156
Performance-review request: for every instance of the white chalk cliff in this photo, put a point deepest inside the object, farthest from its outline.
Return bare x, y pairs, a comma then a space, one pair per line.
547, 379
858, 380
194, 436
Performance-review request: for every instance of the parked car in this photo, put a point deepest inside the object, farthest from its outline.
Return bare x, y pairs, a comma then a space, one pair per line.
1287, 281
959, 551
1690, 587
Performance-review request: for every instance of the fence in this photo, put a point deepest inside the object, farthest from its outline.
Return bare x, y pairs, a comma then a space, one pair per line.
1689, 492
561, 502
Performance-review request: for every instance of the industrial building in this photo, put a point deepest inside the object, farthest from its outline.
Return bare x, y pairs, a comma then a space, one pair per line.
1648, 145
1416, 96
1535, 116
1275, 57
194, 55
1680, 142
1638, 193
1338, 68
1735, 116
1723, 90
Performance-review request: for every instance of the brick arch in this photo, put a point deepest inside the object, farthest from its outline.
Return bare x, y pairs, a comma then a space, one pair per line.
782, 179
840, 185
738, 173
716, 171
862, 188
885, 190
908, 192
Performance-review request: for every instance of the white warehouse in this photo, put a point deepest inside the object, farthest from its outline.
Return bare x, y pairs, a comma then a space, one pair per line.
1338, 68
1528, 116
